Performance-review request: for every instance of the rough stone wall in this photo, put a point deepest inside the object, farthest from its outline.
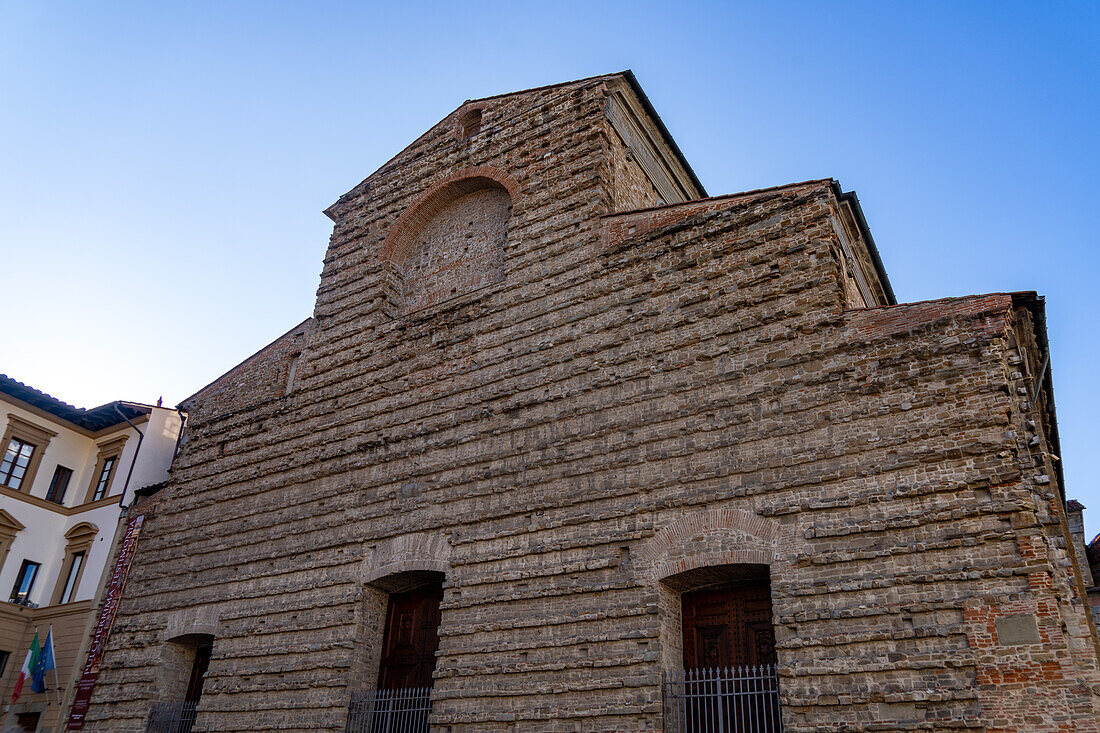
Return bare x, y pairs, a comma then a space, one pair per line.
1036, 645
656, 392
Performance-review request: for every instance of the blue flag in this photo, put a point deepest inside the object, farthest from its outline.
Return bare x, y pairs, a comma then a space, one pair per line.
44, 664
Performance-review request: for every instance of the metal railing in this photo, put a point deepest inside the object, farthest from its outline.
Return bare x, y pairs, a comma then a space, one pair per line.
723, 700
390, 711
171, 717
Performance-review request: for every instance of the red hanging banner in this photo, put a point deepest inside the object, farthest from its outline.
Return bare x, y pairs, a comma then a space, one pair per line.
104, 623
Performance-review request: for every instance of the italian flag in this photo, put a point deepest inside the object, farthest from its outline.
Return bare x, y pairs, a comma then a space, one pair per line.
28, 667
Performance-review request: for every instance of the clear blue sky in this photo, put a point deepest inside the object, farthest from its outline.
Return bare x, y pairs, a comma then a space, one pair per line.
165, 164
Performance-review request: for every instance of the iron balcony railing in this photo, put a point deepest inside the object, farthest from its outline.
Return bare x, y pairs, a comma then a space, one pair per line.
723, 700
171, 717
390, 711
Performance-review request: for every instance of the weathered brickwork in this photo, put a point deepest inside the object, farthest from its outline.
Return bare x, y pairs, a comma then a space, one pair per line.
641, 394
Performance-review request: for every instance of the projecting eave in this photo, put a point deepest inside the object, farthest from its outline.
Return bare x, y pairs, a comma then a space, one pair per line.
1037, 305
92, 422
699, 191
849, 200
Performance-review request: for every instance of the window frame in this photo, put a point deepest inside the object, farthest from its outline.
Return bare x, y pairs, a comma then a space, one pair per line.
19, 579
111, 449
27, 432
7, 476
106, 475
80, 538
9, 528
72, 577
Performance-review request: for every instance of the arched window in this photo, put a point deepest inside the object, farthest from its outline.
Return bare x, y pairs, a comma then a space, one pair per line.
78, 543
469, 124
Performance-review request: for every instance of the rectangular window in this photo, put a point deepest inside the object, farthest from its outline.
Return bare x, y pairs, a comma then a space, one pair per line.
104, 480
69, 591
4, 662
14, 465
24, 582
59, 484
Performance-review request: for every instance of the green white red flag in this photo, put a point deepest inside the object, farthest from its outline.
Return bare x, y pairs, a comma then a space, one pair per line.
28, 667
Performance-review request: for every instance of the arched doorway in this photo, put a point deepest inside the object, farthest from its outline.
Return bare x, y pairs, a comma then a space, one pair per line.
713, 573
397, 644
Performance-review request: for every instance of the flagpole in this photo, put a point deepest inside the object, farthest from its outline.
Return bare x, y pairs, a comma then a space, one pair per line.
56, 681
36, 662
41, 651
32, 671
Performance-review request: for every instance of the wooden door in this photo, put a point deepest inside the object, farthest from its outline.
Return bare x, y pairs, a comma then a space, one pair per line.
198, 672
729, 634
411, 639
728, 628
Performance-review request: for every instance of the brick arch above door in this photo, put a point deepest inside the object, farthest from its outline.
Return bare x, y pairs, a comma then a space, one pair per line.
709, 538
407, 553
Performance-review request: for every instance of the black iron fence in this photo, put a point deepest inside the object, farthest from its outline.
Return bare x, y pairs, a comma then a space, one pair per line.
171, 717
390, 711
723, 700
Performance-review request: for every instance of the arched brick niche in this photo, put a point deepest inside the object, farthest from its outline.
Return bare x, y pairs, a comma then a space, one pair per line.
451, 241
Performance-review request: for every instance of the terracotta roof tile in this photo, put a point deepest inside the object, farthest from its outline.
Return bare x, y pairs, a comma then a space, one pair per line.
93, 419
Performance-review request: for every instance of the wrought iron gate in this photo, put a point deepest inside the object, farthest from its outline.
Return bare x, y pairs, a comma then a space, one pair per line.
723, 700
171, 717
390, 711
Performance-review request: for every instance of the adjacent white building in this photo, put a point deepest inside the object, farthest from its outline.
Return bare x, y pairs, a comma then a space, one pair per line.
67, 476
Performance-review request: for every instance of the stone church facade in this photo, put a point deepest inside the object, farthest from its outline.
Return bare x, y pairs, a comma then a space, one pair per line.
562, 426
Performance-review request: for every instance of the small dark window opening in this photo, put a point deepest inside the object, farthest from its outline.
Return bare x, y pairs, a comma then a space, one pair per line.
198, 672
470, 123
292, 373
4, 656
59, 484
24, 582
27, 722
